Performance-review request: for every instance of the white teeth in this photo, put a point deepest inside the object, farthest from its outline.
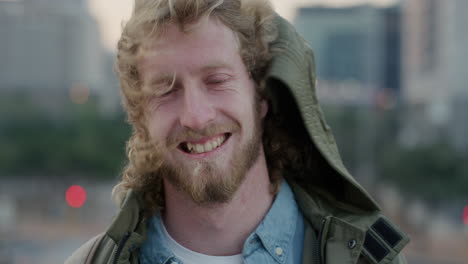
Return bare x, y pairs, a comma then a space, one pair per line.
199, 148
214, 144
208, 146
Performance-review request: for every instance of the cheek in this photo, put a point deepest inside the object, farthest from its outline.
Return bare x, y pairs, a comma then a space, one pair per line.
157, 127
239, 101
234, 107
152, 130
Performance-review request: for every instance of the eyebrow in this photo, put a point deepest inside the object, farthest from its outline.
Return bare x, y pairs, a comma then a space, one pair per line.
215, 66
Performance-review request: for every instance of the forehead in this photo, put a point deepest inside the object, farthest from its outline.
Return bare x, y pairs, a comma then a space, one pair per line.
207, 42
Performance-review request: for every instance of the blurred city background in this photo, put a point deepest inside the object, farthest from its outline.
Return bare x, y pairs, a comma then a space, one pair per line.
392, 82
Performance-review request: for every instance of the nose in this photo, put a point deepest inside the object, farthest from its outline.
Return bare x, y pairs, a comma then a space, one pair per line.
197, 110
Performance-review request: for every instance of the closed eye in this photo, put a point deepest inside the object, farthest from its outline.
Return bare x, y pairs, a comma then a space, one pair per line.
218, 78
167, 92
216, 81
164, 85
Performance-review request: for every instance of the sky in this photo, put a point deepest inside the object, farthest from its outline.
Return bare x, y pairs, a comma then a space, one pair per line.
110, 17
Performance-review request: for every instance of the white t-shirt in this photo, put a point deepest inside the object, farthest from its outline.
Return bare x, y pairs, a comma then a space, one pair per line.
188, 256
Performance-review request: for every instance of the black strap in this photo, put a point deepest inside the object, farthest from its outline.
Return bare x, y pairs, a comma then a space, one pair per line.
382, 239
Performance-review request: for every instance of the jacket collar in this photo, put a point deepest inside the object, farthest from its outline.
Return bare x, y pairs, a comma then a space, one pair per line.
349, 234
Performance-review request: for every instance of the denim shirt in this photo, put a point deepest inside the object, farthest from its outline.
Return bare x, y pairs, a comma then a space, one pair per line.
277, 239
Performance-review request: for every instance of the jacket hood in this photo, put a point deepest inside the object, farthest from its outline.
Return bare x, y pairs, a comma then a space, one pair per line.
291, 82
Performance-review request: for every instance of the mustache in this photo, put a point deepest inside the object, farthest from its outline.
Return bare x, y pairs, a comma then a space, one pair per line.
174, 139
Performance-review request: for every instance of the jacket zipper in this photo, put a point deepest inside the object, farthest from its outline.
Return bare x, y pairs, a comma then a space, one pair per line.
120, 246
319, 242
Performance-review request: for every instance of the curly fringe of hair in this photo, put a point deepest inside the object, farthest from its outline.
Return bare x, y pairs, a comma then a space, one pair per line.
252, 22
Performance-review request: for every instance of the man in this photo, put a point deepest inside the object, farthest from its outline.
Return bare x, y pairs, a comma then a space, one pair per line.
230, 160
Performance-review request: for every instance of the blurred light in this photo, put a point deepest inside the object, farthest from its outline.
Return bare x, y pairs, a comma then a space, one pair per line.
75, 196
79, 93
465, 216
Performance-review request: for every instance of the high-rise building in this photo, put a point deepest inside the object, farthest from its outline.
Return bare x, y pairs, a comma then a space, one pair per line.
435, 62
356, 48
48, 46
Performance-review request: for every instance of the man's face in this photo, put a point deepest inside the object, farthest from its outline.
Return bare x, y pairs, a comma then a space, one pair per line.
204, 118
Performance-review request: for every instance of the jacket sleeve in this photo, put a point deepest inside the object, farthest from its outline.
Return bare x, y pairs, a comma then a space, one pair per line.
84, 254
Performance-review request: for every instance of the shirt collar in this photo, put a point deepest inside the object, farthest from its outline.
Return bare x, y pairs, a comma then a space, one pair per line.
278, 227
154, 250
275, 233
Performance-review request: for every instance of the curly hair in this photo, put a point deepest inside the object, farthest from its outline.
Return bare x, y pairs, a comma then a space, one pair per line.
252, 23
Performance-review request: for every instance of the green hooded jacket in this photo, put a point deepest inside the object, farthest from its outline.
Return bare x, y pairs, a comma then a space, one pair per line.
343, 224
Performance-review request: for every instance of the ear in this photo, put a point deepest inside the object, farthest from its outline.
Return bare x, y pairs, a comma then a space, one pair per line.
263, 108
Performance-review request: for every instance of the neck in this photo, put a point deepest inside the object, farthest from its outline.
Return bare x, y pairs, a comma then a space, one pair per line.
219, 230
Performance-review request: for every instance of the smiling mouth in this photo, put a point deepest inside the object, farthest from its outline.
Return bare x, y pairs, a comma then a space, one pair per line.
210, 145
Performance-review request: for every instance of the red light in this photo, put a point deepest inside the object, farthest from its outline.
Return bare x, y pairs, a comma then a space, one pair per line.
75, 196
465, 216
